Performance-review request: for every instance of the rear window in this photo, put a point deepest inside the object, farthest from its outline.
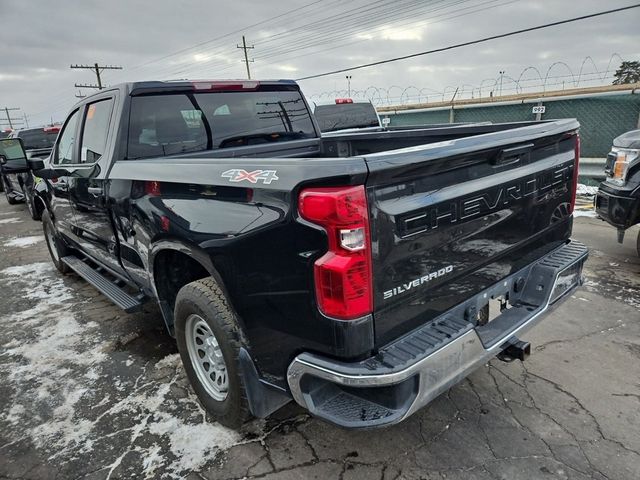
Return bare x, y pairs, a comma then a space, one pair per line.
346, 115
177, 123
37, 138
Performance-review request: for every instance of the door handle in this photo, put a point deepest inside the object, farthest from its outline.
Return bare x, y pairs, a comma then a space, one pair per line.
95, 191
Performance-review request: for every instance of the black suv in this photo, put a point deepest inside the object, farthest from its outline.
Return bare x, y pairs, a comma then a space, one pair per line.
20, 186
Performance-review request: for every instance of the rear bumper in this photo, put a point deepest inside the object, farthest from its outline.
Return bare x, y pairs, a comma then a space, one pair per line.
409, 373
620, 211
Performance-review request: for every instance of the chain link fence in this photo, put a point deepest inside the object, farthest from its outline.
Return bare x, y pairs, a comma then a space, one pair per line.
602, 117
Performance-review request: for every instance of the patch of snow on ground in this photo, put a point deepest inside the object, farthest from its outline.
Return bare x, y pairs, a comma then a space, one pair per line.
169, 361
23, 242
58, 367
193, 444
10, 220
586, 190
584, 213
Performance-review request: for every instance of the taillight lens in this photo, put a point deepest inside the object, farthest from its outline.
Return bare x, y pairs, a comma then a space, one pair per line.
343, 274
574, 183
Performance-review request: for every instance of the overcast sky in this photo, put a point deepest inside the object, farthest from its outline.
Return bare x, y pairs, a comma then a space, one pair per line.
293, 38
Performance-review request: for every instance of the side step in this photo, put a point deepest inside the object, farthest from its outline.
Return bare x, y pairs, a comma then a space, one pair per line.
107, 287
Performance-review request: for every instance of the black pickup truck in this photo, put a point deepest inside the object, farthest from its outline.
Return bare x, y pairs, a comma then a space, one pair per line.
356, 274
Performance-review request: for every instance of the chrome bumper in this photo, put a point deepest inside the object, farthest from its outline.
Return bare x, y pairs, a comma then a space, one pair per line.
316, 382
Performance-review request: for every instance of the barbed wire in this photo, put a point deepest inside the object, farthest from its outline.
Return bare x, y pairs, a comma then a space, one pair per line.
489, 87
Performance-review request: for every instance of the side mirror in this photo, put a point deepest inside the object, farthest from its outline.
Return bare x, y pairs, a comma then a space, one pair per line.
35, 164
13, 158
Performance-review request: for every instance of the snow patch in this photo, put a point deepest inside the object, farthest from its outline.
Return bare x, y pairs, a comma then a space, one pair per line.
23, 242
584, 213
10, 220
193, 445
586, 190
172, 360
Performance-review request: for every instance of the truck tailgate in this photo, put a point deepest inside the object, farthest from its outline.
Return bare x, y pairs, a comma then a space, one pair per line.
450, 219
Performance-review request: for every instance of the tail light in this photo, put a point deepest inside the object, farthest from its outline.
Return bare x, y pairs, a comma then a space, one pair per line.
343, 100
343, 274
574, 184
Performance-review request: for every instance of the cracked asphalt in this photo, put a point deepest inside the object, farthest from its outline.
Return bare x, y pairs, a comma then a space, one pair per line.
88, 391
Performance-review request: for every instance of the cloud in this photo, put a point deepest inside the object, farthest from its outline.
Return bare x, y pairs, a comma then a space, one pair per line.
321, 37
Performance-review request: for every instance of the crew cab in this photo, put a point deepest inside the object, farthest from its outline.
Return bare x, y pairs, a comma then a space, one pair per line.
356, 274
618, 198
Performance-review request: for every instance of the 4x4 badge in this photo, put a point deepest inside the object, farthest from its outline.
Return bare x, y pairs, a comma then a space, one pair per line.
238, 175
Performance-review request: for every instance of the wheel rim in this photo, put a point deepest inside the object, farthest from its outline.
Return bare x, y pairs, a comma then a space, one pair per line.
206, 357
51, 243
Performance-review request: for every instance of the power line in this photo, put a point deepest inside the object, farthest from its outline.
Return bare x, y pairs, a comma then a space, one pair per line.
246, 57
97, 70
473, 42
226, 35
322, 31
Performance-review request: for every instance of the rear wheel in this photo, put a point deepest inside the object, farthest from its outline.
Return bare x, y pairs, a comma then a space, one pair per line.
209, 340
57, 247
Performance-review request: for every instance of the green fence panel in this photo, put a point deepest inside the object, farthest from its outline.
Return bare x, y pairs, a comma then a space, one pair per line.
602, 117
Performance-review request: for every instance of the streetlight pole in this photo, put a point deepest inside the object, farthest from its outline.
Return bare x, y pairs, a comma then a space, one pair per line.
501, 75
348, 77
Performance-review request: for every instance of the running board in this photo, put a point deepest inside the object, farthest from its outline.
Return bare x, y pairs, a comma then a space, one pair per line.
107, 287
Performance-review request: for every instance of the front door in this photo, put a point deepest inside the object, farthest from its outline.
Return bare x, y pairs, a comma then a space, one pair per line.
64, 153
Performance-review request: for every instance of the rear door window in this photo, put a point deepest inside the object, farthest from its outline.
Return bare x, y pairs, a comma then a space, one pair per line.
95, 130
170, 124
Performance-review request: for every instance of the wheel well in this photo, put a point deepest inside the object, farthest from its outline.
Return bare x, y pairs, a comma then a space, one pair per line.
172, 271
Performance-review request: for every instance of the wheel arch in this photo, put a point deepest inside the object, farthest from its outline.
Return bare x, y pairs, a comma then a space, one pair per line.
172, 265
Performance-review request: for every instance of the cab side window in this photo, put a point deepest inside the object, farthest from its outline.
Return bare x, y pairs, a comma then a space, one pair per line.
95, 130
65, 149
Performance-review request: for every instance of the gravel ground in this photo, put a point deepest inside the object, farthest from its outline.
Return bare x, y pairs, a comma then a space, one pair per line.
91, 392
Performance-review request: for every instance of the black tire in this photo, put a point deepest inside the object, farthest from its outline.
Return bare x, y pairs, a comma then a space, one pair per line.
638, 243
205, 299
10, 200
56, 246
31, 204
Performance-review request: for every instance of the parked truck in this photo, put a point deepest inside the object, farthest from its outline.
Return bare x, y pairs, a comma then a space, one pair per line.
360, 274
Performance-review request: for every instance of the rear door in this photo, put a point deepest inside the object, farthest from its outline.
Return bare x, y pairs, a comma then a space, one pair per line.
452, 218
93, 229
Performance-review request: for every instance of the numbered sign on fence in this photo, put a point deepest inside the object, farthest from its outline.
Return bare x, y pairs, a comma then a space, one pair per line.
539, 109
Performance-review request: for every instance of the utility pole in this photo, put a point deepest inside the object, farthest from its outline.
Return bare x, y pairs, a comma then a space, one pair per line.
349, 77
97, 69
9, 119
502, 72
26, 120
246, 56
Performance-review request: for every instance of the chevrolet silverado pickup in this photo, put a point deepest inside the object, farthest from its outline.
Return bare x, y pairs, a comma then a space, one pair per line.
356, 274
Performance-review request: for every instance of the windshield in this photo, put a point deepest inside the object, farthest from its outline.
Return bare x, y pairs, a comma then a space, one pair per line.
37, 138
169, 124
346, 115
